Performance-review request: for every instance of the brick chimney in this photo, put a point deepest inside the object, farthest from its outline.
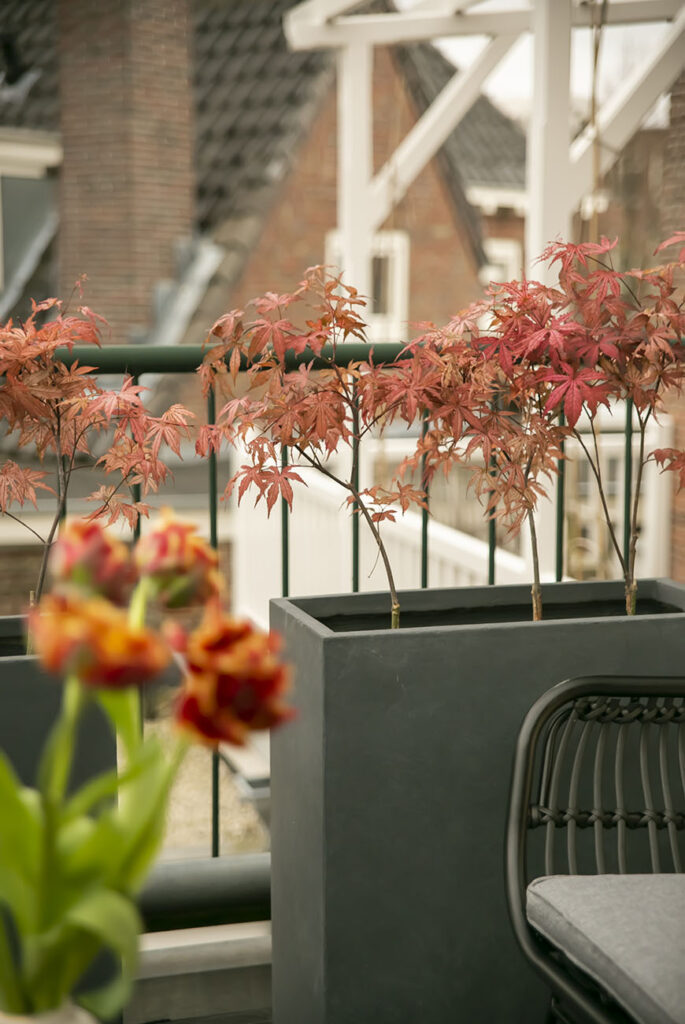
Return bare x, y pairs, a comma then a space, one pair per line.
127, 183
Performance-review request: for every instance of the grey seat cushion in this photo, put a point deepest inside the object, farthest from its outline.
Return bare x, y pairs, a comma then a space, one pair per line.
625, 931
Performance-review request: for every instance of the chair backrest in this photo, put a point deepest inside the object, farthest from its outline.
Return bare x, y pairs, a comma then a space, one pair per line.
598, 786
599, 781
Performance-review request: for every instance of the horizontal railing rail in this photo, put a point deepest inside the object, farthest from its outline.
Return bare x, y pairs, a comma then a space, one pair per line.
200, 893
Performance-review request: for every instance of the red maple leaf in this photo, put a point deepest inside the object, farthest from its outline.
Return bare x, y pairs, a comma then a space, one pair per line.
576, 386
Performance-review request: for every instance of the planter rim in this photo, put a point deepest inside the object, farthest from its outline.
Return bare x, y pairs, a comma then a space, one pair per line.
308, 609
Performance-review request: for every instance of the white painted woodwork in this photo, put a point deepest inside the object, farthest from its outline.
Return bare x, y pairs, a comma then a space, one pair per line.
548, 165
621, 115
428, 134
355, 163
321, 532
307, 32
321, 551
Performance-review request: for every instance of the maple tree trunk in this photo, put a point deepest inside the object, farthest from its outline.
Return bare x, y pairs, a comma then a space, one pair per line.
536, 590
394, 603
631, 582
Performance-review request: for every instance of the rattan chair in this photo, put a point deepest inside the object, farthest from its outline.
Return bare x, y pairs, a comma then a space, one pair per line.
595, 848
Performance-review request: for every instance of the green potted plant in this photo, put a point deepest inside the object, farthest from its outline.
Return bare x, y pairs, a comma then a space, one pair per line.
73, 859
389, 791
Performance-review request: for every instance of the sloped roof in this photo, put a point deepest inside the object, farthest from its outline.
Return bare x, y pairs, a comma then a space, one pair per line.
28, 44
254, 100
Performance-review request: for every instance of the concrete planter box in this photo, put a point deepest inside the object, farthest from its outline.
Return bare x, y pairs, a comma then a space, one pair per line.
29, 703
390, 790
12, 635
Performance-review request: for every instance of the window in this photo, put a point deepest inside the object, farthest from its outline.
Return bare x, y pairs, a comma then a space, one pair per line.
388, 313
505, 259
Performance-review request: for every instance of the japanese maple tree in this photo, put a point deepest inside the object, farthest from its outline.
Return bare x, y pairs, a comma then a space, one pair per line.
297, 399
495, 381
60, 411
485, 410
630, 334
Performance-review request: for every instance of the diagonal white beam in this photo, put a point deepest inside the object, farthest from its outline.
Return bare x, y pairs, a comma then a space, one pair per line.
429, 133
620, 117
413, 25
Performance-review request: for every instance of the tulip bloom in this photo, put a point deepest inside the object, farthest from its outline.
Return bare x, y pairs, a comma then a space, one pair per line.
87, 561
95, 641
235, 681
181, 565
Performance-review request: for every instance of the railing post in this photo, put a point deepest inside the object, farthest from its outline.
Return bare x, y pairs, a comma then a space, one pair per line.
214, 541
627, 479
560, 510
424, 513
285, 536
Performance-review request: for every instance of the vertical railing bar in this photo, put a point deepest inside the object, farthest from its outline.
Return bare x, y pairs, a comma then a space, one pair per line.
285, 535
355, 505
135, 488
424, 512
214, 541
560, 510
136, 495
627, 479
492, 537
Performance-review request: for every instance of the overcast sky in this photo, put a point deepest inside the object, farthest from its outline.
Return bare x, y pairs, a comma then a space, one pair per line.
510, 83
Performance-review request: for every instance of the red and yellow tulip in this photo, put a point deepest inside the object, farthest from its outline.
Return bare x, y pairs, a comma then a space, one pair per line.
235, 682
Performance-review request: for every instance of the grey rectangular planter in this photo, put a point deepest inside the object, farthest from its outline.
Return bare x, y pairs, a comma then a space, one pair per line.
390, 790
12, 635
29, 703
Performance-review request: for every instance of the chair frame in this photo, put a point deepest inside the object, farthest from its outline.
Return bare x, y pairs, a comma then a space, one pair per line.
573, 1001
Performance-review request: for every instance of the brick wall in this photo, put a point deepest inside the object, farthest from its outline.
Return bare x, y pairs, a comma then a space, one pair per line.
443, 274
673, 219
127, 180
21, 564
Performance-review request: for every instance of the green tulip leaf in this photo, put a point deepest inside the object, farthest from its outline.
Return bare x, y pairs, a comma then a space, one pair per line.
20, 846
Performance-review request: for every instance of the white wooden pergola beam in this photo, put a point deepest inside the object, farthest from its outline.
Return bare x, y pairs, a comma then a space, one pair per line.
432, 129
355, 162
444, 6
547, 164
413, 25
620, 117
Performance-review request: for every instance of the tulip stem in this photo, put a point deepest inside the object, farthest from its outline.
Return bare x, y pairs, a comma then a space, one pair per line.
55, 765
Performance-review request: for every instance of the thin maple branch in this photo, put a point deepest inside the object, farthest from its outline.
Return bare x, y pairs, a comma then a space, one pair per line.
348, 486
536, 589
61, 505
10, 515
600, 485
